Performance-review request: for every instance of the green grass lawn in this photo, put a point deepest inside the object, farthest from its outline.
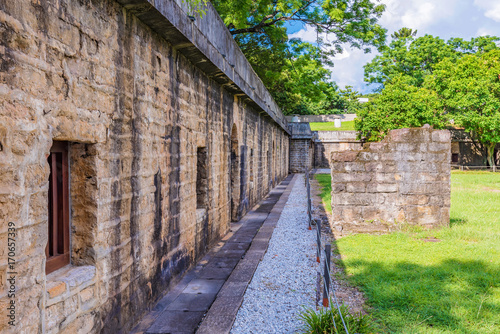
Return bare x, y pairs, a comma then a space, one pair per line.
330, 126
451, 286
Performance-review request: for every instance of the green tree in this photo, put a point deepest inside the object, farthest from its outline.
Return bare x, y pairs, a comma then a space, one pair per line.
404, 33
469, 90
417, 57
401, 104
296, 72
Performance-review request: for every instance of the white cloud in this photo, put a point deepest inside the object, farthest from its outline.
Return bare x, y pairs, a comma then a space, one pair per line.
444, 18
308, 34
485, 31
491, 8
416, 14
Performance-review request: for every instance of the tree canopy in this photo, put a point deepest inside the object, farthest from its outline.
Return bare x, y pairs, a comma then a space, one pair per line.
296, 72
399, 105
404, 33
464, 89
469, 90
416, 57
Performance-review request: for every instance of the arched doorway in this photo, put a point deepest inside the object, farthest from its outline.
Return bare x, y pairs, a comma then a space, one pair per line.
234, 174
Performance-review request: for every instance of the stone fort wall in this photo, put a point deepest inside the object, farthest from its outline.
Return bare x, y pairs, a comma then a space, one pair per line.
405, 178
139, 107
327, 142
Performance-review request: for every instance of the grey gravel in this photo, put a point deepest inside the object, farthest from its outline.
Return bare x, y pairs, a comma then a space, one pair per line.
285, 280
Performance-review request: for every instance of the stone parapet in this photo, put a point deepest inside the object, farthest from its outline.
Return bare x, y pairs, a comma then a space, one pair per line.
403, 179
336, 137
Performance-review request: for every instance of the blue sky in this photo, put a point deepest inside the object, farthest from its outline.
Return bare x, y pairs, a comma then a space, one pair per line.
443, 18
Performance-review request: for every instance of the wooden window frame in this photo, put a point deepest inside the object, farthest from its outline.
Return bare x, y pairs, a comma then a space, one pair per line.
57, 249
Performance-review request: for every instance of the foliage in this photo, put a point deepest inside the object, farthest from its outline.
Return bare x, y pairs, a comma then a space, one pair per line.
469, 89
450, 286
399, 105
322, 321
416, 58
404, 33
296, 72
196, 6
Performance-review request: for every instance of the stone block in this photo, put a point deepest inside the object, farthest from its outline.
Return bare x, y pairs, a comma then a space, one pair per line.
441, 136
384, 177
350, 199
378, 147
54, 315
381, 187
439, 148
345, 156
355, 187
83, 324
337, 167
338, 187
354, 167
351, 177
368, 156
56, 289
352, 214
413, 199
70, 305
87, 294
399, 135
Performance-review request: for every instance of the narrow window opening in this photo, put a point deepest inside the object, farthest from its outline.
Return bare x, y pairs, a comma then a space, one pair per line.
57, 249
251, 165
201, 178
454, 157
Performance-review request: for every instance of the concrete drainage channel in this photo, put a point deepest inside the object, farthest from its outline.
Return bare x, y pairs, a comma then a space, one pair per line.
207, 299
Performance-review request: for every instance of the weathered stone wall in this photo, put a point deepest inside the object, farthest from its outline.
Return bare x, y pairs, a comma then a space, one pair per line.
404, 178
301, 147
135, 111
301, 155
327, 142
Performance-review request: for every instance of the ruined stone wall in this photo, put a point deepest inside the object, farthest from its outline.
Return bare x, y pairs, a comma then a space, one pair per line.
135, 111
404, 178
327, 142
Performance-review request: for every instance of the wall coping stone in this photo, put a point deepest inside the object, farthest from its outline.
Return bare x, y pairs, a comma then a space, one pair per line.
208, 44
336, 137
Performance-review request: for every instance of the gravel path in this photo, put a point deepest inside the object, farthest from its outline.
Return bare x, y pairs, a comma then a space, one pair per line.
285, 280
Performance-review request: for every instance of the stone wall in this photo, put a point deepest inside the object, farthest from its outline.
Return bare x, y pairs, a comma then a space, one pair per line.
301, 147
136, 112
301, 155
327, 142
403, 179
